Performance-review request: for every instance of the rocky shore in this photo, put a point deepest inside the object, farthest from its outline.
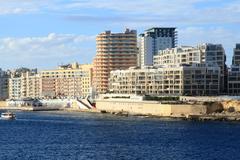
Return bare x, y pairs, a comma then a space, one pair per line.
223, 116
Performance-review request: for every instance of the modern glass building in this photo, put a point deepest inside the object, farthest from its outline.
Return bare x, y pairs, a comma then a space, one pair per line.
153, 40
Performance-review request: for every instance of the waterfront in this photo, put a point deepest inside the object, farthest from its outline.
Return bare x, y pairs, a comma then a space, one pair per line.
61, 135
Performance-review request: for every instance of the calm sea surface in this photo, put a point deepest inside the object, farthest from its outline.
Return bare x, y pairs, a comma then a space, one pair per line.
42, 135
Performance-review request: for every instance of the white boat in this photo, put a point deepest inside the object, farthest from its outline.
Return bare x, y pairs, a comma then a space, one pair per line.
8, 115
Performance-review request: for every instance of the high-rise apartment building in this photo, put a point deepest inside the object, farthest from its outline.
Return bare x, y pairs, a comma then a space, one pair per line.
153, 40
114, 51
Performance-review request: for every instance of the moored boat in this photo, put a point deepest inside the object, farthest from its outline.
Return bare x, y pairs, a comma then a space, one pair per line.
8, 115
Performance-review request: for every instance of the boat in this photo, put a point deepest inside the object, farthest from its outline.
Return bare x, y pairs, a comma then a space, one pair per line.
8, 115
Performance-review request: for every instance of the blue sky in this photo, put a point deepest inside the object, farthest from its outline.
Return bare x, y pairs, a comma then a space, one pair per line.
46, 33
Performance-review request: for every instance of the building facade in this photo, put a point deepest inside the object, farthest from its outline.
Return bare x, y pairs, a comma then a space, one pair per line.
26, 85
33, 85
3, 84
114, 51
234, 80
15, 88
179, 55
202, 54
236, 55
234, 73
196, 79
153, 40
215, 53
68, 81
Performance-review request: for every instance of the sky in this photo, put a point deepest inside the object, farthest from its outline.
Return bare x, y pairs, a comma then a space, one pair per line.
46, 33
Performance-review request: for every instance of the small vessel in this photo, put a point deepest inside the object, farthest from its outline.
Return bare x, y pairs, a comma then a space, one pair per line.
8, 115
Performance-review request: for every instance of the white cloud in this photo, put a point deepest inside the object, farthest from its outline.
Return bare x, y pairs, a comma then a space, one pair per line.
180, 12
219, 35
32, 51
16, 7
197, 20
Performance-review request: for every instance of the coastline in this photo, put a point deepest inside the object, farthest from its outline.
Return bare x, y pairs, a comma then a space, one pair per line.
205, 117
224, 110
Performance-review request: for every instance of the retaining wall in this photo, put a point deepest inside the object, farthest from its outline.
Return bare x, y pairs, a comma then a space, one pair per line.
3, 103
150, 107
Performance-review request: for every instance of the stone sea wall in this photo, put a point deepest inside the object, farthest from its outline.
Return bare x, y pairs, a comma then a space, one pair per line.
3, 103
150, 108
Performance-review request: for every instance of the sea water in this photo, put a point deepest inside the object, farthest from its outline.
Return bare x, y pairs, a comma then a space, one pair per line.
59, 135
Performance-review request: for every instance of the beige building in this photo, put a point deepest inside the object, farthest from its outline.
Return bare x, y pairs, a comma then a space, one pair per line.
196, 79
114, 51
68, 81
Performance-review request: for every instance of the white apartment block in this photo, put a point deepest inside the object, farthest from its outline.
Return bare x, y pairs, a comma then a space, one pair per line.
15, 88
179, 55
25, 86
205, 53
195, 79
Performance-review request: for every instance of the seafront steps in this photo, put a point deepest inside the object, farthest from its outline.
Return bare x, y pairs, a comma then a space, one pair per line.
83, 104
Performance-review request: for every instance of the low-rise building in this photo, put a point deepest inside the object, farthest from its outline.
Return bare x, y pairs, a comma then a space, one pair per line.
68, 81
